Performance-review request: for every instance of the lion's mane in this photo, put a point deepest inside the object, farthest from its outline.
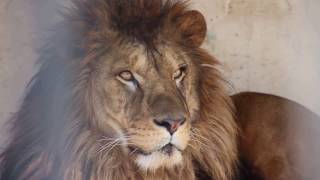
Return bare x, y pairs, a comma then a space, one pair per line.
53, 134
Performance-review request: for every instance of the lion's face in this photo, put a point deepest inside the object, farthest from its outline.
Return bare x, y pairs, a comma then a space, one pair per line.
150, 101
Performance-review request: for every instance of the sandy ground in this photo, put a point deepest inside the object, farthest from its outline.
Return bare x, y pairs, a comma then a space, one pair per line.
267, 46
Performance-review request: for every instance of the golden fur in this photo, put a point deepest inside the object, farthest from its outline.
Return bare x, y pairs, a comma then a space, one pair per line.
81, 119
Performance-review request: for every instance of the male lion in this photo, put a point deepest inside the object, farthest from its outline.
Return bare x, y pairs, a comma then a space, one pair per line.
124, 91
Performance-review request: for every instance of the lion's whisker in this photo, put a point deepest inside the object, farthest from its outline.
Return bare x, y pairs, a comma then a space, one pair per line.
107, 145
200, 146
113, 142
208, 66
135, 149
200, 137
196, 132
112, 147
195, 138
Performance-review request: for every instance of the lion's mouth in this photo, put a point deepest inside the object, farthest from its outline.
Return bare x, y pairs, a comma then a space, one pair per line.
167, 149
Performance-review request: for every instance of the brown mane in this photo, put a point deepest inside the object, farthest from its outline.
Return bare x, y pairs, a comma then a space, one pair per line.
51, 137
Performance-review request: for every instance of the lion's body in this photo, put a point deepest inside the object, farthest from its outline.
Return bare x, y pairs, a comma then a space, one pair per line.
279, 138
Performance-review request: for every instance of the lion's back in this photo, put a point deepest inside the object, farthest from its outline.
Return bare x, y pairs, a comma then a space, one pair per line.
279, 136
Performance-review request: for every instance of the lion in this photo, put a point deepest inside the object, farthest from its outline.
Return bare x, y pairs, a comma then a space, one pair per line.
125, 91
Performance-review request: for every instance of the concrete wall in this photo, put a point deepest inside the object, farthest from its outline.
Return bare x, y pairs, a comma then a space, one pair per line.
267, 45
264, 45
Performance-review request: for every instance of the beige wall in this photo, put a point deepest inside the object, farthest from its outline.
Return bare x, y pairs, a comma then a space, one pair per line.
264, 45
267, 45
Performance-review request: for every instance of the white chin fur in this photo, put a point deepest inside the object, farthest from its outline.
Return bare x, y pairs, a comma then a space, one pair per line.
157, 159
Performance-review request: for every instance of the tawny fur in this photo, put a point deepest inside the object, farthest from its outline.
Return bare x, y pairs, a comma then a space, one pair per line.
48, 144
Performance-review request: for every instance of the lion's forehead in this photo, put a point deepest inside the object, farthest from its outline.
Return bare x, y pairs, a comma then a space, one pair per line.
143, 59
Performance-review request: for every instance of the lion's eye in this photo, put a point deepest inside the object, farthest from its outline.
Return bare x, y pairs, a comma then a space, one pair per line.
180, 73
127, 78
126, 75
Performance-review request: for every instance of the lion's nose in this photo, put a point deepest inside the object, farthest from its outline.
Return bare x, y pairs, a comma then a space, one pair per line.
172, 125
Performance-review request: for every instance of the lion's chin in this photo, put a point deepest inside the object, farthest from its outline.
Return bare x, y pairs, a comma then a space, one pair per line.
157, 159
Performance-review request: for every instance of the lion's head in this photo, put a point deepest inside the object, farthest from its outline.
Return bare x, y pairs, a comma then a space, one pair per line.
133, 95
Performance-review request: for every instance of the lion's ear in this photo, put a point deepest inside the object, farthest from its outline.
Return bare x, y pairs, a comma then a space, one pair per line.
193, 27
